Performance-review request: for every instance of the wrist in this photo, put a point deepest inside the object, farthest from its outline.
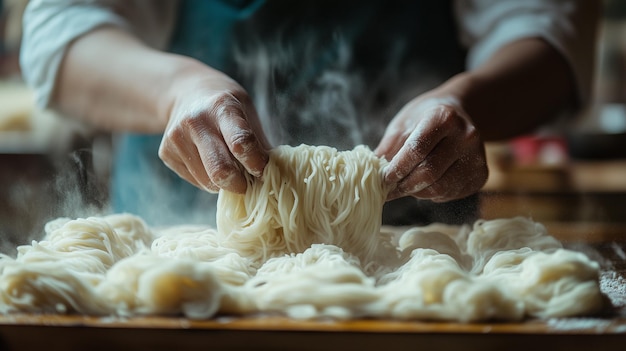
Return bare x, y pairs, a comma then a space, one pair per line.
459, 89
456, 92
181, 72
188, 79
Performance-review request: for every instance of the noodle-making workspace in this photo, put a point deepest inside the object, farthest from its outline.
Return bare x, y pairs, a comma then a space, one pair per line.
278, 175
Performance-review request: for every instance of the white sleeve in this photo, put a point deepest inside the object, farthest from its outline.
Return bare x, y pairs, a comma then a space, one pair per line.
567, 25
50, 26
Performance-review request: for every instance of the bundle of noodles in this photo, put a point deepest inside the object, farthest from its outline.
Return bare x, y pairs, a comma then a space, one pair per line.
307, 195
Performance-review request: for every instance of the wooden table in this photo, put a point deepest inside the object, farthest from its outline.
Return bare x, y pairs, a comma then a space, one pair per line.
28, 332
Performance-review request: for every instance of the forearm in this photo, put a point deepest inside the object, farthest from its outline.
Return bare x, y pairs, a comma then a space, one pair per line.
524, 85
112, 80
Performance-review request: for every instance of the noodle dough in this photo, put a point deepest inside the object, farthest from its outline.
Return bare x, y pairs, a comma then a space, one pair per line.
305, 241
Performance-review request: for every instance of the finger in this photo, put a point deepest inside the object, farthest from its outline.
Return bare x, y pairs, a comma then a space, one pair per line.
415, 149
456, 183
395, 135
185, 161
222, 169
205, 184
429, 170
440, 122
401, 126
240, 138
389, 145
182, 170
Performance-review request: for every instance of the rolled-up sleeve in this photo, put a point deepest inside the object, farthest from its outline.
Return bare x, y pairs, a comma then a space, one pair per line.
568, 25
50, 26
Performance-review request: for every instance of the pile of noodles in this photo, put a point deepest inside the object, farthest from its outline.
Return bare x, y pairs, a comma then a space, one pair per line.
305, 241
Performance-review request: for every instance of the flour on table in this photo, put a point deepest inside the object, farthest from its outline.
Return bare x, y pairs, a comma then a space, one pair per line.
305, 241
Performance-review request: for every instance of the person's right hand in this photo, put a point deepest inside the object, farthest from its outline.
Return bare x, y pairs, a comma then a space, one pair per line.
213, 134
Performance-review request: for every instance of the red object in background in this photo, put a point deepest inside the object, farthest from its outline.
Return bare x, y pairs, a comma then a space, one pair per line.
539, 150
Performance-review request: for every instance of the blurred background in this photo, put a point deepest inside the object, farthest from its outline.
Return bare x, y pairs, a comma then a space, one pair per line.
50, 166
572, 177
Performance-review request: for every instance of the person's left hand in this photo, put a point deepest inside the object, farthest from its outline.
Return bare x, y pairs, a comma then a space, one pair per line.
435, 152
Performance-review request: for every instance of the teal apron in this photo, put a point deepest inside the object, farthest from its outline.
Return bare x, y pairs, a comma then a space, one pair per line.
320, 72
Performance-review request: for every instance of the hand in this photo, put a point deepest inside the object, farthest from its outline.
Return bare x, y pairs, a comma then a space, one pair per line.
213, 135
434, 150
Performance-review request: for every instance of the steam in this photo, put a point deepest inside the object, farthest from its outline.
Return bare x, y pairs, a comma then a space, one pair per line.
323, 96
63, 185
323, 107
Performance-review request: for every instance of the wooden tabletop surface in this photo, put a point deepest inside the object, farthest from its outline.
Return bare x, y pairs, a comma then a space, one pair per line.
54, 332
